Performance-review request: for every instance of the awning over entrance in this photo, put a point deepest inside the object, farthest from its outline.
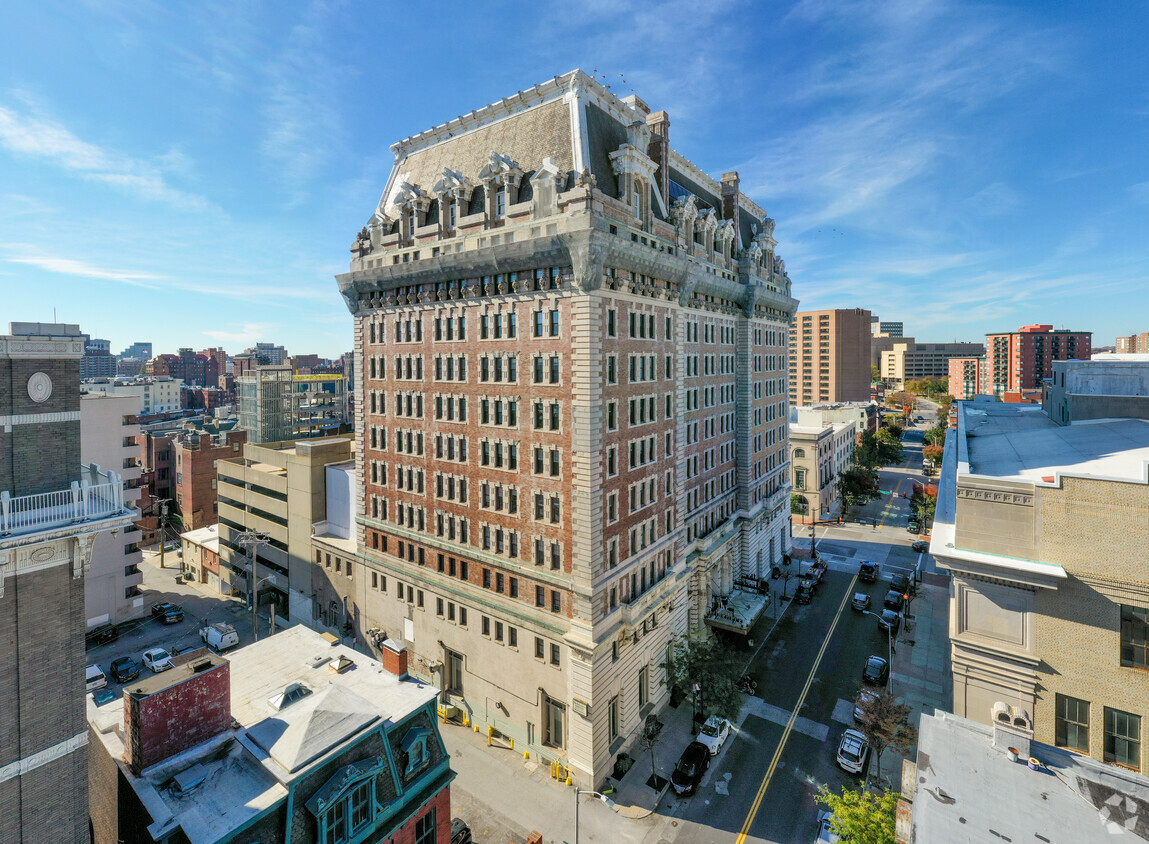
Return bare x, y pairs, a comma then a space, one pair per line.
738, 611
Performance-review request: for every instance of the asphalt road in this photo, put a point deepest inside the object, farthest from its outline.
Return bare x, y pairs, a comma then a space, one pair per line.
761, 789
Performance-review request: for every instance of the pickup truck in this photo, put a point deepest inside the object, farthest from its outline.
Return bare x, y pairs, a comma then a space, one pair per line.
219, 637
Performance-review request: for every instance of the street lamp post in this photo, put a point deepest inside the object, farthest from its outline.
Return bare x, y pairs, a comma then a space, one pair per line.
578, 792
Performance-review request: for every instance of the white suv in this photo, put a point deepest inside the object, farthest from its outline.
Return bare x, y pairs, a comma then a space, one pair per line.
853, 752
94, 678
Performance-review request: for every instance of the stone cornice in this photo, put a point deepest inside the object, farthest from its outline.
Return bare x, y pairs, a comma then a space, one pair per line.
38, 347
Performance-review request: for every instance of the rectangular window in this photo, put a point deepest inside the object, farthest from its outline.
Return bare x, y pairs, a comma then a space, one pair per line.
613, 720
1123, 738
555, 732
1134, 636
555, 653
425, 826
540, 649
1072, 726
556, 601
540, 596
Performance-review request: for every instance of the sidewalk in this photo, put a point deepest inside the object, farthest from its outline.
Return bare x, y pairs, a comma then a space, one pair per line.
503, 797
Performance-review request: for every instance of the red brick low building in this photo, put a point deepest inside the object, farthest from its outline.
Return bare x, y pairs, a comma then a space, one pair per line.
269, 745
195, 455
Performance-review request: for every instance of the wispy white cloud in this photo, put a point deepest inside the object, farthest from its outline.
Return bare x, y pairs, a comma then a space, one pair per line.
25, 132
30, 256
1140, 192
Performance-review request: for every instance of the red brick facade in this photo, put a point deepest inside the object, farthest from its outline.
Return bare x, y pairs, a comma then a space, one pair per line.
195, 459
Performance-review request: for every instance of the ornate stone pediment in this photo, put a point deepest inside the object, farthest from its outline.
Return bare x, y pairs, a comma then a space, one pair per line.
627, 160
684, 210
502, 170
455, 185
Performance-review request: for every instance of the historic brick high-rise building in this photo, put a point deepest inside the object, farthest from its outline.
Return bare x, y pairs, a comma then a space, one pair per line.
570, 357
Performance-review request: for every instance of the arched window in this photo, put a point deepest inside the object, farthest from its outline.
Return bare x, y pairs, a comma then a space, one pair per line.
799, 452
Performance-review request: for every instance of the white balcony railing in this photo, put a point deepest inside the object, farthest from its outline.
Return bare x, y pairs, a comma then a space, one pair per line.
97, 495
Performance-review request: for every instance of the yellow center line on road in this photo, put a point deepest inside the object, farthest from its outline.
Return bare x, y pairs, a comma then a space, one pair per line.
793, 717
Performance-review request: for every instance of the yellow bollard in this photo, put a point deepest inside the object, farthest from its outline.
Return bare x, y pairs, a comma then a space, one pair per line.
490, 731
526, 754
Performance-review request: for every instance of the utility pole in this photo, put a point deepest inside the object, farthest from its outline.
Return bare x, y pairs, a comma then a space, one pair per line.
252, 540
163, 502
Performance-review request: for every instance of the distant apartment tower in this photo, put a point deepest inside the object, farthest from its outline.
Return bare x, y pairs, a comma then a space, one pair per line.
830, 356
886, 329
1133, 344
51, 510
98, 360
965, 376
269, 354
1019, 360
570, 393
108, 437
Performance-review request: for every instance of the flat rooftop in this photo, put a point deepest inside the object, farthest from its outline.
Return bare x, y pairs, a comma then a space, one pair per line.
246, 770
970, 791
1018, 442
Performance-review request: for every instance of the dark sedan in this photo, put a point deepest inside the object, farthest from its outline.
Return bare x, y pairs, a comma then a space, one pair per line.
101, 635
921, 547
167, 612
125, 669
890, 620
690, 768
894, 601
877, 671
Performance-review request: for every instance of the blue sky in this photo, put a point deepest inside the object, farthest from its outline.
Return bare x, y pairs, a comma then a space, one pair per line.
193, 174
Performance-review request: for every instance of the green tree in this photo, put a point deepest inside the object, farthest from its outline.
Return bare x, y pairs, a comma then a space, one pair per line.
861, 816
798, 504
889, 448
886, 723
875, 373
714, 667
855, 485
934, 453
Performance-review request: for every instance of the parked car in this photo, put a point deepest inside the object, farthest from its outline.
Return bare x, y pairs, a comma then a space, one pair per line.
713, 734
894, 600
460, 832
817, 572
868, 572
167, 612
877, 671
94, 678
125, 669
900, 583
826, 834
157, 659
921, 547
219, 637
890, 620
861, 601
805, 593
853, 752
865, 698
101, 635
914, 526
692, 764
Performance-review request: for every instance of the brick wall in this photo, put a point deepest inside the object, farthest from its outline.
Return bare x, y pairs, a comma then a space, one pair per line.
180, 716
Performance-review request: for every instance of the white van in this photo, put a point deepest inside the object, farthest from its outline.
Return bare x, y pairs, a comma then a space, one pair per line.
94, 678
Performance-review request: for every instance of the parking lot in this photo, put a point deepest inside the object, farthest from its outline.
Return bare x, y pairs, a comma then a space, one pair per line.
200, 609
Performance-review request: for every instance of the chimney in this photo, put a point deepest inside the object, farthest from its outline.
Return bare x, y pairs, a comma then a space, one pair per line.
1012, 730
176, 710
659, 150
730, 195
394, 658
